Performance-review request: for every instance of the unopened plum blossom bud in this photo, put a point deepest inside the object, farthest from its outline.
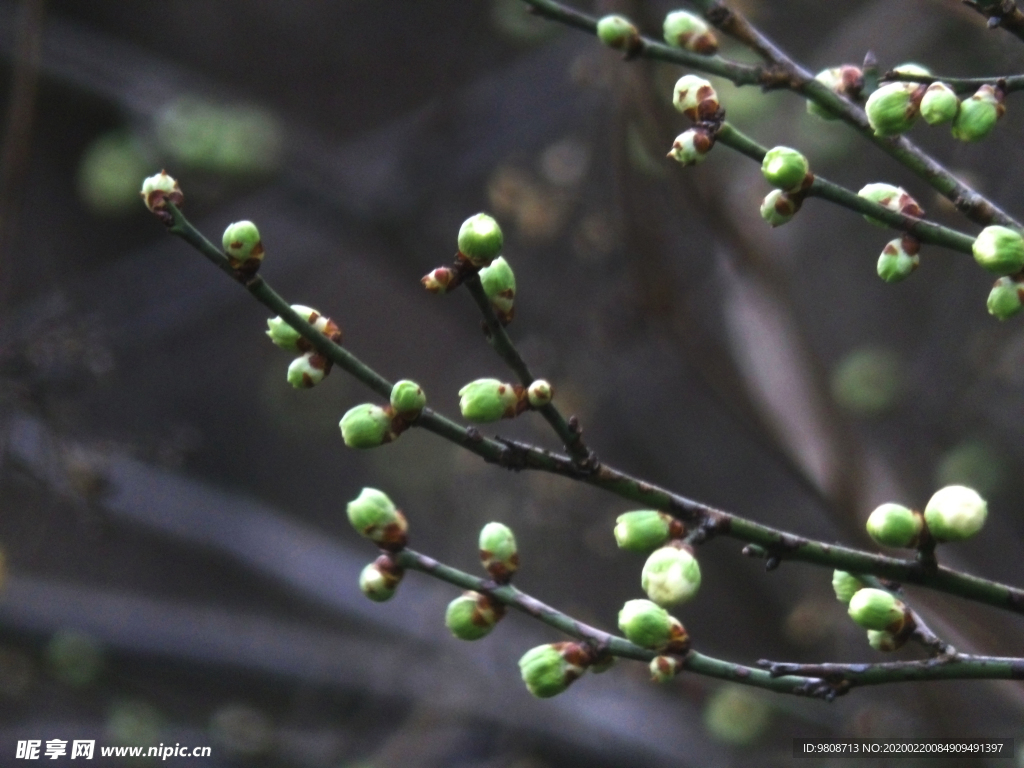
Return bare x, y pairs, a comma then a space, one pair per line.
899, 258
286, 337
893, 525
375, 516
939, 104
473, 615
242, 244
877, 609
886, 642
779, 208
892, 108
894, 198
664, 668
407, 398
784, 168
1006, 298
955, 513
978, 114
646, 529
379, 580
650, 626
480, 240
498, 552
618, 32
846, 80
691, 146
695, 98
366, 426
999, 249
548, 670
438, 280
671, 576
499, 283
159, 190
308, 370
539, 393
685, 30
486, 400
845, 585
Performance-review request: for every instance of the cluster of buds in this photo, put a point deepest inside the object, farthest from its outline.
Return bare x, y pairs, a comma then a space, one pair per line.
480, 243
788, 171
689, 32
846, 80
619, 33
369, 425
157, 192
953, 513
373, 515
548, 670
696, 98
487, 400
887, 619
671, 575
473, 615
310, 368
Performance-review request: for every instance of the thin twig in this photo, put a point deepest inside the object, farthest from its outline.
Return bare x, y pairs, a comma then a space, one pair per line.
1000, 13
1008, 83
515, 455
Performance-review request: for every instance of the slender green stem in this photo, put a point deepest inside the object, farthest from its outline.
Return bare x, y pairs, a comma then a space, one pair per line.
780, 71
925, 231
1010, 83
517, 456
962, 666
503, 345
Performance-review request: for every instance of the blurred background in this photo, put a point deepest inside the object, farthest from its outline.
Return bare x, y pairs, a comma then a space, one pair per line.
178, 566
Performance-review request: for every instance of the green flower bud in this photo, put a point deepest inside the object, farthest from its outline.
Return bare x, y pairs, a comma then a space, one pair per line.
472, 615
366, 426
438, 280
159, 190
912, 68
846, 80
407, 398
307, 371
955, 513
548, 670
282, 334
498, 552
618, 33
884, 641
646, 529
242, 243
664, 668
684, 30
784, 168
939, 104
646, 624
691, 146
486, 400
778, 208
893, 525
892, 108
480, 240
978, 115
499, 283
999, 249
899, 258
380, 579
286, 337
374, 516
1006, 298
539, 393
845, 585
695, 98
877, 609
671, 576
894, 198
